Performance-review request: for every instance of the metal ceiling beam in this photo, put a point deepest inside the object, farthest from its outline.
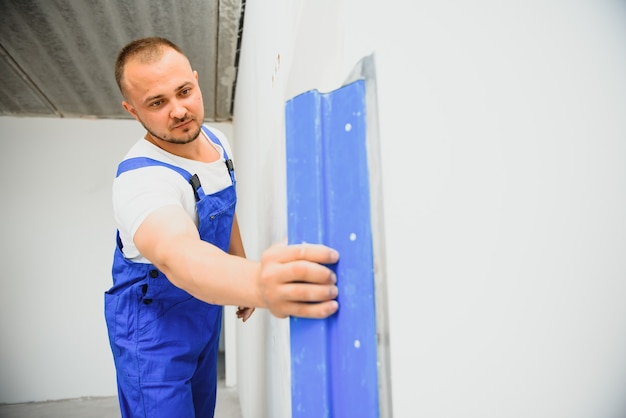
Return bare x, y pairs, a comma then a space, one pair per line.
57, 56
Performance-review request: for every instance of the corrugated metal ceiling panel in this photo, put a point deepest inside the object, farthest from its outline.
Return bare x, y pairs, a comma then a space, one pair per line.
57, 56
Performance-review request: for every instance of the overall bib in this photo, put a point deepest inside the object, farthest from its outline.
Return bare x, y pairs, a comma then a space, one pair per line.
165, 341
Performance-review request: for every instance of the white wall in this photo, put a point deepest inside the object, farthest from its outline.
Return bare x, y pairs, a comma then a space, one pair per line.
503, 141
502, 136
56, 250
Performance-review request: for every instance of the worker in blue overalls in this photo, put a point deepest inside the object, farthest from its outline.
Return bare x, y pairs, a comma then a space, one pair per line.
179, 255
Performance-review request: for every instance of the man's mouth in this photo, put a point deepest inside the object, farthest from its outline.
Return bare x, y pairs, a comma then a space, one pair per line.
183, 124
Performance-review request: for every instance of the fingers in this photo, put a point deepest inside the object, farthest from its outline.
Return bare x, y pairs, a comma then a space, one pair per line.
307, 293
319, 310
304, 271
298, 280
316, 253
244, 313
296, 283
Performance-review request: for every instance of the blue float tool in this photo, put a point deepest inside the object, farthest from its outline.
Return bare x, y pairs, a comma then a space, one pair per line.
333, 360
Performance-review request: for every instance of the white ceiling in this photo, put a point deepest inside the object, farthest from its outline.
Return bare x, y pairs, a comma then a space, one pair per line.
57, 56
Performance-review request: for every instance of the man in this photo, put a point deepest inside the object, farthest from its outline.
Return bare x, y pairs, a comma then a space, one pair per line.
179, 254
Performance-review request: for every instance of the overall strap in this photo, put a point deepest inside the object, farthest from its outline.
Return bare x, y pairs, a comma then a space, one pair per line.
229, 163
194, 180
140, 162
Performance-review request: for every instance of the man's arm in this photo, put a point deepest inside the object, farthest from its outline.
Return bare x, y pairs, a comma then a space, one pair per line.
286, 280
236, 248
236, 244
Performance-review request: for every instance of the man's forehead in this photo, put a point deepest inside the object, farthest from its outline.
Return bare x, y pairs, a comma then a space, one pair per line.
141, 71
154, 56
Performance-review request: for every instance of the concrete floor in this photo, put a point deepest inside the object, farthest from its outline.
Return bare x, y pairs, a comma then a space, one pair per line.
227, 405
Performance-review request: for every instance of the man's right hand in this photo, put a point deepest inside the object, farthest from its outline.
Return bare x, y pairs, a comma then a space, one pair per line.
293, 281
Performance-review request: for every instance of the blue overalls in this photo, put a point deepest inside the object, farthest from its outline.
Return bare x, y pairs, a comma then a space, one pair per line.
165, 341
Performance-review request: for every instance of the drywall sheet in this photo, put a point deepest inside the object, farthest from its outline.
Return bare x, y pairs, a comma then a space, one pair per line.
333, 361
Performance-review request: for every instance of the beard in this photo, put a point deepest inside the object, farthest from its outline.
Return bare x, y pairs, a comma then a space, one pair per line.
189, 134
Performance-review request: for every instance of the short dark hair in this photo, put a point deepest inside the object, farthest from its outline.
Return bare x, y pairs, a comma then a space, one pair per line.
146, 49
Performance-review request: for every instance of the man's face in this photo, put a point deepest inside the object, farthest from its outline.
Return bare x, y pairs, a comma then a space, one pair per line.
164, 96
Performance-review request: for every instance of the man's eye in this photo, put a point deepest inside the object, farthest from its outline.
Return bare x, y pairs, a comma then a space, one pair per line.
185, 92
156, 104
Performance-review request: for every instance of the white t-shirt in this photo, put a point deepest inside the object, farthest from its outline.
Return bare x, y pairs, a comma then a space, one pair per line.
137, 193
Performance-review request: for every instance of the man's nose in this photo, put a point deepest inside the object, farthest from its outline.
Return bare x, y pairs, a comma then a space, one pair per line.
178, 111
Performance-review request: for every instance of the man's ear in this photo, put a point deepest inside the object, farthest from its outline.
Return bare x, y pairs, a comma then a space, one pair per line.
130, 109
